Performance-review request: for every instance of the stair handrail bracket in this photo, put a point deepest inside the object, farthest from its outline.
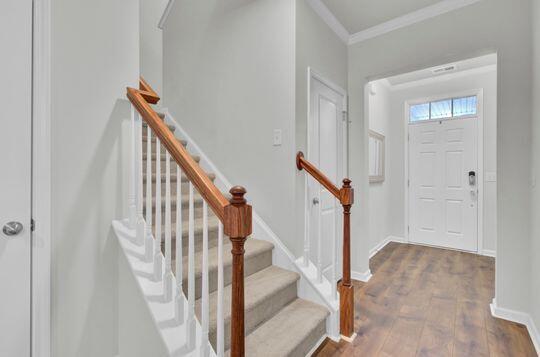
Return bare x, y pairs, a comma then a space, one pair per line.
235, 214
345, 195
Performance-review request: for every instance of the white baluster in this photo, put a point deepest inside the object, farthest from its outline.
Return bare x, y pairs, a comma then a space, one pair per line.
319, 241
149, 240
205, 308
168, 246
133, 173
179, 312
191, 273
141, 224
158, 263
306, 222
334, 254
220, 347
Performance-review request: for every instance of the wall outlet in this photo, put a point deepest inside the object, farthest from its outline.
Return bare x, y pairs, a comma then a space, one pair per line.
277, 137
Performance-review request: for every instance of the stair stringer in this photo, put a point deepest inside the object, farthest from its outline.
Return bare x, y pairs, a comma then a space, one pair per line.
172, 332
308, 288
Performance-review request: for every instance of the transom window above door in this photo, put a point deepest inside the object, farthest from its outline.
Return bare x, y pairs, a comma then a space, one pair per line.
458, 107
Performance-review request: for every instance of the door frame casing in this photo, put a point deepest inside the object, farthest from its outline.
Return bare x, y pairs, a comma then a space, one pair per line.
314, 75
480, 158
41, 181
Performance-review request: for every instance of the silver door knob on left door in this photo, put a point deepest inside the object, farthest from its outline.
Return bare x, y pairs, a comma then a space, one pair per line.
12, 228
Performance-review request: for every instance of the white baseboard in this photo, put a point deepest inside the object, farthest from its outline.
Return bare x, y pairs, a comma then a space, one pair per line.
383, 244
519, 317
319, 343
489, 253
365, 276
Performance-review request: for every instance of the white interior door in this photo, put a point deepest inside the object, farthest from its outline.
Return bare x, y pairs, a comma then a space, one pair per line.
15, 176
327, 140
443, 192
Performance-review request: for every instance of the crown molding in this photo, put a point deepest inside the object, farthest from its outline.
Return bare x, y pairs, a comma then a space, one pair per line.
411, 18
328, 17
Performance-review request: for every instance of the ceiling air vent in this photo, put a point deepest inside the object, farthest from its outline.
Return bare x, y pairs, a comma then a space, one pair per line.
445, 69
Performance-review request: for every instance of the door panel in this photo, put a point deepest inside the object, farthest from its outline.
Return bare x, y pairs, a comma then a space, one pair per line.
326, 136
443, 208
15, 177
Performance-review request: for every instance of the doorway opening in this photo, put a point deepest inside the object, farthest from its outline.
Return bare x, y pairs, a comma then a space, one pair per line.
432, 157
327, 149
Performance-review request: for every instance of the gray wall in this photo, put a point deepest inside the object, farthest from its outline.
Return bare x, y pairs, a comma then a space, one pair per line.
234, 72
461, 34
151, 42
229, 80
383, 210
95, 55
535, 198
318, 47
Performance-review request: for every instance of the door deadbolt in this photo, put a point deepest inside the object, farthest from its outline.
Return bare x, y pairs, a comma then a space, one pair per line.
315, 201
12, 228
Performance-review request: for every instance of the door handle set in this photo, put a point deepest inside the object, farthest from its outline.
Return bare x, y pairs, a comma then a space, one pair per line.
12, 228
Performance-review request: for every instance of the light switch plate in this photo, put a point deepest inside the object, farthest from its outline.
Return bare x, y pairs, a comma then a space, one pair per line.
277, 137
491, 177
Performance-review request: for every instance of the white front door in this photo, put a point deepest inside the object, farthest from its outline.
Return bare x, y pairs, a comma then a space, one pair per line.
327, 151
15, 176
443, 190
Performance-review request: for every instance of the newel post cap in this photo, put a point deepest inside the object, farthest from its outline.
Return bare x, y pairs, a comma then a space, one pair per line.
237, 215
238, 193
346, 193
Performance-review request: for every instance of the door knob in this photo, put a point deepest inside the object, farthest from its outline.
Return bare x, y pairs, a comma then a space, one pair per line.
315, 201
12, 228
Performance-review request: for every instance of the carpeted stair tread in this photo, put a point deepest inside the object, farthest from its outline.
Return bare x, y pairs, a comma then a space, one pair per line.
258, 256
145, 140
163, 158
213, 224
293, 331
266, 293
197, 201
211, 176
171, 128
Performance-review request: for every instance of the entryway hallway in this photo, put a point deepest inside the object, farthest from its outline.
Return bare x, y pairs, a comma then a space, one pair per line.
424, 301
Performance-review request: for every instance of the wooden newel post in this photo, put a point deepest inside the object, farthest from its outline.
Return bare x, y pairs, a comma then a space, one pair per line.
346, 293
237, 227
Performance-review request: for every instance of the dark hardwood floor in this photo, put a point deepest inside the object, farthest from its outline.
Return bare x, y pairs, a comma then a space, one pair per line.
425, 301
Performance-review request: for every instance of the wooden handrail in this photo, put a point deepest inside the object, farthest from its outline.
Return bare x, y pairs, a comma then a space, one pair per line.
147, 92
191, 169
345, 195
303, 164
235, 214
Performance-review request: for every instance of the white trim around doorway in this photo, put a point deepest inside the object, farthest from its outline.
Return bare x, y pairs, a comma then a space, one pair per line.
41, 182
313, 75
480, 142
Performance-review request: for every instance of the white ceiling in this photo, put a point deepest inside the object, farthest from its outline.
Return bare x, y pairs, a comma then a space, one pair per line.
359, 15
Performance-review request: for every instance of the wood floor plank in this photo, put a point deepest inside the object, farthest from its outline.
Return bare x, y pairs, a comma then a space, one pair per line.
424, 301
403, 339
437, 337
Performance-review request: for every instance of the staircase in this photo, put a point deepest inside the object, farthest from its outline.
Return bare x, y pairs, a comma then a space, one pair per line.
277, 322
